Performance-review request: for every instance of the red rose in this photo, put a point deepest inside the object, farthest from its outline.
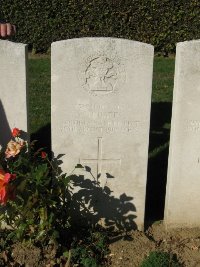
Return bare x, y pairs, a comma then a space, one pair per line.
15, 132
3, 195
8, 177
7, 193
43, 154
6, 190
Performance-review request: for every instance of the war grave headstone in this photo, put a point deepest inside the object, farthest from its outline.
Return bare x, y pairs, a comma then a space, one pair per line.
183, 186
13, 89
101, 97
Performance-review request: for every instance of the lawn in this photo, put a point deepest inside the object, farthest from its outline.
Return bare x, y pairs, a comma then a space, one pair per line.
39, 71
40, 118
163, 79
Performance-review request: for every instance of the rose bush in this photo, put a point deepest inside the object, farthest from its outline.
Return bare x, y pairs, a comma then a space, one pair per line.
36, 205
34, 194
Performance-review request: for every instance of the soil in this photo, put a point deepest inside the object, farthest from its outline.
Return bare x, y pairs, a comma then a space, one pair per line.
132, 249
125, 250
30, 256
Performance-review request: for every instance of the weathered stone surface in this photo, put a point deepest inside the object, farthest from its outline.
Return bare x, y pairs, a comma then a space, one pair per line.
183, 186
101, 95
13, 89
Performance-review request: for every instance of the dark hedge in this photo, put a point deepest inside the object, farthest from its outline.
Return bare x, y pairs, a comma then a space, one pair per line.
161, 23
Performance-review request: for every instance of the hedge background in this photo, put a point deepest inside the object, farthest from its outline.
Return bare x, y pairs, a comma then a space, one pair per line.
161, 23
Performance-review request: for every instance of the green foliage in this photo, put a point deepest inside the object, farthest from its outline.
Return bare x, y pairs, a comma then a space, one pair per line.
36, 205
40, 209
161, 23
160, 259
90, 249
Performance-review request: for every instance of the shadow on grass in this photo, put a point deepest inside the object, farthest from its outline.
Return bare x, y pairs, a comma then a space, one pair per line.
43, 138
158, 158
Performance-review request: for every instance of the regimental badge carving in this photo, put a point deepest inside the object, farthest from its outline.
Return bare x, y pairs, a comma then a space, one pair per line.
101, 75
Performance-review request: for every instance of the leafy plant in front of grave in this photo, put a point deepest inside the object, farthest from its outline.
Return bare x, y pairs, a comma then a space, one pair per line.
160, 259
34, 196
35, 204
88, 248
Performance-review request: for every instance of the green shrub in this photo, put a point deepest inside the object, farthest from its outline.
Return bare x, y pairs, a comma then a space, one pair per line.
161, 23
36, 208
89, 249
160, 259
34, 195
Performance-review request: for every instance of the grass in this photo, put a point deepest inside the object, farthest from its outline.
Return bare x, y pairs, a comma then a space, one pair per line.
39, 93
163, 79
162, 93
159, 258
40, 117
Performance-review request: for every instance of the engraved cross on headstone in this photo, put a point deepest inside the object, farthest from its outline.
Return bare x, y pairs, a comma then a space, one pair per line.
100, 160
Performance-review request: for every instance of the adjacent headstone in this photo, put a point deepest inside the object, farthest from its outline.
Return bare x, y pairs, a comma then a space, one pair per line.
13, 89
183, 186
101, 96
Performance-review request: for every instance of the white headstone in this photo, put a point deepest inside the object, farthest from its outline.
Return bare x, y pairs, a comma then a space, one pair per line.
13, 89
183, 185
101, 96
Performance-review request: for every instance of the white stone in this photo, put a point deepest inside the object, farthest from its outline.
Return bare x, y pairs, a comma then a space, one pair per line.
183, 185
101, 96
13, 89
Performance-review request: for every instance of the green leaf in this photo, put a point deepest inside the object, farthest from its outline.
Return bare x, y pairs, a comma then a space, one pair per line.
55, 234
66, 254
40, 234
